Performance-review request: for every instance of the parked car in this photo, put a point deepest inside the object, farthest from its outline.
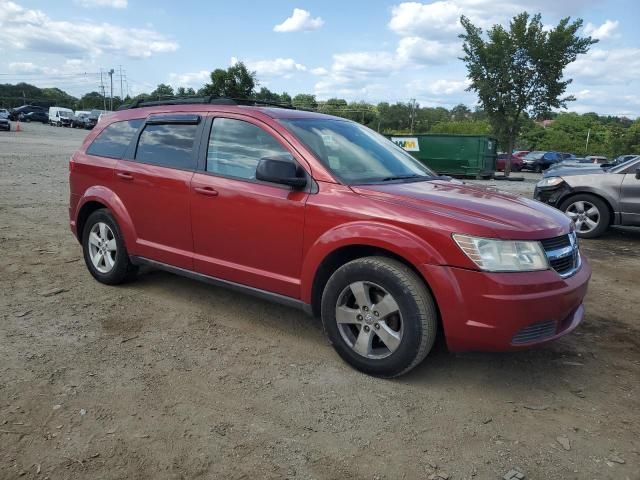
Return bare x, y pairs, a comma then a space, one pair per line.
324, 214
83, 120
516, 160
597, 159
621, 159
539, 160
4, 113
61, 117
5, 124
35, 117
19, 112
595, 198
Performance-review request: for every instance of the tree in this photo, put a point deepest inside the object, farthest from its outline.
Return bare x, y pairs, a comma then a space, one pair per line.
520, 70
305, 100
234, 82
162, 90
460, 113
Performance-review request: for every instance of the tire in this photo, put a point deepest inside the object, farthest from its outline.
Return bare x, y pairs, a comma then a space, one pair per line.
412, 325
115, 266
584, 207
537, 168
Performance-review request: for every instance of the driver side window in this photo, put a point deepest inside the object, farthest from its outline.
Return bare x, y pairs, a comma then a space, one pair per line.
236, 147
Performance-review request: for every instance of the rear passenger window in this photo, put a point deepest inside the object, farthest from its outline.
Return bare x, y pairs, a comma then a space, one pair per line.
113, 140
236, 147
167, 145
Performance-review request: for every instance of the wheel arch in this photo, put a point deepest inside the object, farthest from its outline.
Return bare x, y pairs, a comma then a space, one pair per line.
357, 240
99, 197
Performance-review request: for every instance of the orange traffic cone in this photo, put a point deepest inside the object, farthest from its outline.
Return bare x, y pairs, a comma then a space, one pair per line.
18, 129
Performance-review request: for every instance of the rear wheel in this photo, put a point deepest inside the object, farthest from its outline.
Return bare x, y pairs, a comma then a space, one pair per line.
104, 251
379, 316
590, 214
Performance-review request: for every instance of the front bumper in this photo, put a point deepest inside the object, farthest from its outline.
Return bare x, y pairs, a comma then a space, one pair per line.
483, 311
552, 195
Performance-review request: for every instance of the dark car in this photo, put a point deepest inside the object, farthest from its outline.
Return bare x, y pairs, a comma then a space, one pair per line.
538, 161
37, 116
5, 124
19, 112
324, 214
84, 120
594, 198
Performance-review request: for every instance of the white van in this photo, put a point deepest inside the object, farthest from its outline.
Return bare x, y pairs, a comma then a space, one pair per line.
60, 116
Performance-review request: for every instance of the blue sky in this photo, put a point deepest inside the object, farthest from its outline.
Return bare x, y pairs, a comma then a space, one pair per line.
371, 50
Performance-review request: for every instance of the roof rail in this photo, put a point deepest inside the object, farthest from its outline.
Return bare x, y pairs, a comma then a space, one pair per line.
209, 99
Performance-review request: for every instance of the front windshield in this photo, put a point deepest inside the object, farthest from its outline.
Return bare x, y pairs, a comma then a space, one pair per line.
623, 166
356, 154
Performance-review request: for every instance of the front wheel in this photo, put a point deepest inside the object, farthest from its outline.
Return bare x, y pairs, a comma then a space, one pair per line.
590, 214
379, 316
104, 251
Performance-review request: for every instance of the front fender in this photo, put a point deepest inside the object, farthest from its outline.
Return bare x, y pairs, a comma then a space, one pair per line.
109, 199
402, 243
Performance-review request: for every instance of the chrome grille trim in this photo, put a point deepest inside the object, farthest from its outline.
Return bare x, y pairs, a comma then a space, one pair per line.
563, 254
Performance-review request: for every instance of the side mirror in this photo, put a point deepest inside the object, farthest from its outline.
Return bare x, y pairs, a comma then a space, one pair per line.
638, 173
280, 170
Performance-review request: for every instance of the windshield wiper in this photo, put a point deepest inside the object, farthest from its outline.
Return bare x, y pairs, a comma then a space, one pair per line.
401, 177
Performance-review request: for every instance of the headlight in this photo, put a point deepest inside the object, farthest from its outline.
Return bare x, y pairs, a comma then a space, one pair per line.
503, 255
550, 182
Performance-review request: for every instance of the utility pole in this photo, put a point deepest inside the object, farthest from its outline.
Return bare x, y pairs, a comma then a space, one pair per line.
111, 94
413, 112
121, 93
586, 148
104, 97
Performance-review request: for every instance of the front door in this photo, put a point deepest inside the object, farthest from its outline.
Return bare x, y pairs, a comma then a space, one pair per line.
630, 196
244, 230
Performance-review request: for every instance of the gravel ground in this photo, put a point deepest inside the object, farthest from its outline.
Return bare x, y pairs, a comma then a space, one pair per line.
169, 378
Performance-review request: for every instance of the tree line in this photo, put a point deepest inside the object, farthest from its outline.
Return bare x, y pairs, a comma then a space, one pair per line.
608, 135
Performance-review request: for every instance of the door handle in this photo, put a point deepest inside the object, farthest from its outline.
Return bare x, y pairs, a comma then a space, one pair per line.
125, 176
210, 192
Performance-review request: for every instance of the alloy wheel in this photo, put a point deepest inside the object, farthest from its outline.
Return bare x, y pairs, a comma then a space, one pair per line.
585, 215
102, 247
369, 320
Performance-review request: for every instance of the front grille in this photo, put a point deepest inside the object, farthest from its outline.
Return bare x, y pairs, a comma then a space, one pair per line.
563, 253
556, 242
535, 332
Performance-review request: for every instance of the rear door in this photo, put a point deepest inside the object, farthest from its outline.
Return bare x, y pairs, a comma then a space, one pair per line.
244, 230
630, 195
153, 181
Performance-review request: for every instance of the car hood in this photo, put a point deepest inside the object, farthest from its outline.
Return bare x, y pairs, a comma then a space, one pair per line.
475, 209
567, 171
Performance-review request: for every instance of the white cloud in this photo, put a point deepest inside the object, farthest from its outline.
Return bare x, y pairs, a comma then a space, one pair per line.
417, 49
604, 31
102, 3
277, 67
300, 20
190, 79
606, 67
439, 18
380, 63
26, 29
320, 71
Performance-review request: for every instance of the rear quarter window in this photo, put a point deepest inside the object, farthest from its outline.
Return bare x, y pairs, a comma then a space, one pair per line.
113, 141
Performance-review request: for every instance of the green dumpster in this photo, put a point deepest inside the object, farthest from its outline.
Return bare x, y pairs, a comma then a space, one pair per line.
456, 155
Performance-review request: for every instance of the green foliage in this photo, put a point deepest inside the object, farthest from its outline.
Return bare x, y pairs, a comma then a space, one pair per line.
466, 127
520, 70
162, 91
234, 82
305, 100
267, 95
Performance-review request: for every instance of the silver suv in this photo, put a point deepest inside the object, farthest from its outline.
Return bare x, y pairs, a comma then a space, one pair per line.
594, 198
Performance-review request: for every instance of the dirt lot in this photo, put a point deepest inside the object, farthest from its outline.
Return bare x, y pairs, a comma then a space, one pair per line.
169, 378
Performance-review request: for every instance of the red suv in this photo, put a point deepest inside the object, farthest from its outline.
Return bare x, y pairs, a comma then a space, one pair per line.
323, 214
